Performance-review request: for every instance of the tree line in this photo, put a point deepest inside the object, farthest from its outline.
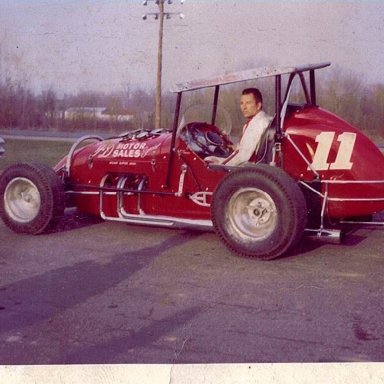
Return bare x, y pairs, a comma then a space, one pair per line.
348, 96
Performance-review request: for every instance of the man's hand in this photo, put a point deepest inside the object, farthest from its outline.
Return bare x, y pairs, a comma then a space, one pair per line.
213, 160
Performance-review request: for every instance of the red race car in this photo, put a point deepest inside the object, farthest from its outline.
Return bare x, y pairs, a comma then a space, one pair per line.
312, 173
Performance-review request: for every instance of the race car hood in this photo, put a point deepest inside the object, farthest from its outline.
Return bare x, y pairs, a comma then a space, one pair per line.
141, 147
115, 154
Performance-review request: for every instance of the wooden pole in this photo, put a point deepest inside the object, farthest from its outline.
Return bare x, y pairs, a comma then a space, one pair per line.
159, 66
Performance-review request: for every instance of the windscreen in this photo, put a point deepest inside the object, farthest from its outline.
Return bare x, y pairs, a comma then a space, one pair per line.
202, 113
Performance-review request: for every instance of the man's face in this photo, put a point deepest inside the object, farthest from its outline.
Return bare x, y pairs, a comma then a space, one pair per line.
248, 105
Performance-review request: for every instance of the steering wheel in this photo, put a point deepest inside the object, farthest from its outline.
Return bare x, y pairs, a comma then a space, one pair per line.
194, 135
208, 143
220, 149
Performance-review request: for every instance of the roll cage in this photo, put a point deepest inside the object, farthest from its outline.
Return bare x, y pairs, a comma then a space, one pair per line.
281, 102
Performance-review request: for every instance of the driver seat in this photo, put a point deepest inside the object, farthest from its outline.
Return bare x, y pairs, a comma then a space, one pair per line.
264, 152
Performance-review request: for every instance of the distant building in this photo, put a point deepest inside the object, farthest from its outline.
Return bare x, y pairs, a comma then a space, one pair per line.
96, 113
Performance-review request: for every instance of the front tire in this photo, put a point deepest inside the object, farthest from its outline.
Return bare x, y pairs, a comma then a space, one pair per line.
32, 198
259, 211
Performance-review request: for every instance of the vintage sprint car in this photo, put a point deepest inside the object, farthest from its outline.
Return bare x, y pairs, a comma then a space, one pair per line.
312, 173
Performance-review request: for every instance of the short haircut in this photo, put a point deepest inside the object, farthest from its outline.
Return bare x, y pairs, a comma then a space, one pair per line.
255, 92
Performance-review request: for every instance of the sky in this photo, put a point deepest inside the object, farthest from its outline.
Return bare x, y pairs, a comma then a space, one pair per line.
105, 45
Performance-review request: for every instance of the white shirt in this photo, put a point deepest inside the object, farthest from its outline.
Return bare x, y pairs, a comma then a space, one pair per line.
250, 140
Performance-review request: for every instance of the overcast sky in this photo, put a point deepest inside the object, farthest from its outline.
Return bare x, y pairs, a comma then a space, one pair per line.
105, 45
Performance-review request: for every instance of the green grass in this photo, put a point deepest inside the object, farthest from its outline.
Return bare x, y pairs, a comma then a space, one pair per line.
47, 152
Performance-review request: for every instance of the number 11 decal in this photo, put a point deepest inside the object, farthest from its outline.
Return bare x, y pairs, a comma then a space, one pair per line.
344, 153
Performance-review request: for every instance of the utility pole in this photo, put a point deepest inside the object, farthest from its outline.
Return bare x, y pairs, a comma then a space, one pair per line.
160, 15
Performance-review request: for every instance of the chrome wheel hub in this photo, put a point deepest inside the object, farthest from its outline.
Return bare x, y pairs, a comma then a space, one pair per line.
22, 200
252, 214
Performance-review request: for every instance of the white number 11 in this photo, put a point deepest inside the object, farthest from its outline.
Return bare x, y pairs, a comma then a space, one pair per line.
344, 153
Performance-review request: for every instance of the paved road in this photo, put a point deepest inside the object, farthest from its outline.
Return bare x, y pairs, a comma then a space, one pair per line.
95, 292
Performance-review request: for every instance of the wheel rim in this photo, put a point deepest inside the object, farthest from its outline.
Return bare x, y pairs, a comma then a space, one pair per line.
22, 200
252, 214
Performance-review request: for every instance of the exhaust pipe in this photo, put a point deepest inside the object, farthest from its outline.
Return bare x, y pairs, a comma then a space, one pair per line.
334, 236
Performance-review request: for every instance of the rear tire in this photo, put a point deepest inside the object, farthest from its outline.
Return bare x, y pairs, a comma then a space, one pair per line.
259, 211
32, 198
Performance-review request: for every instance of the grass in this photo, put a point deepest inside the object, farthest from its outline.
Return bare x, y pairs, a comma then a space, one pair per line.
47, 152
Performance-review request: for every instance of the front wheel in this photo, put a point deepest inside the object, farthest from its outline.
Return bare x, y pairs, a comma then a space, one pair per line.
32, 198
259, 211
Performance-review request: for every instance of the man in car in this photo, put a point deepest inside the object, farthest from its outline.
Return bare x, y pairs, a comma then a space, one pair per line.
251, 104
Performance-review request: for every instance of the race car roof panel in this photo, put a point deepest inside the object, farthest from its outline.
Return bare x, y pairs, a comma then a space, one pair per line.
249, 74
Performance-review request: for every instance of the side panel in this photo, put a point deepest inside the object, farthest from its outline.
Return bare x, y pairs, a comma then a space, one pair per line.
141, 165
349, 165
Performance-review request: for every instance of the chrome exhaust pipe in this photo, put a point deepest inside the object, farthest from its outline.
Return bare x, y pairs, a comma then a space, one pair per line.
334, 236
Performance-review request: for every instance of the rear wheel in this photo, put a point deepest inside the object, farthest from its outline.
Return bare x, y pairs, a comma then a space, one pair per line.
31, 198
259, 211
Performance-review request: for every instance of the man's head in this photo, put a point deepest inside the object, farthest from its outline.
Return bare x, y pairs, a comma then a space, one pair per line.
251, 102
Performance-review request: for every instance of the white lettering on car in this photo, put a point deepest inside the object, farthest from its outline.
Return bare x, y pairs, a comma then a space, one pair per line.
132, 153
132, 150
103, 151
344, 153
